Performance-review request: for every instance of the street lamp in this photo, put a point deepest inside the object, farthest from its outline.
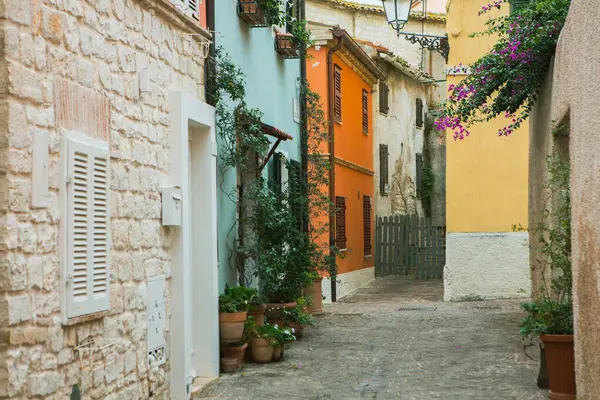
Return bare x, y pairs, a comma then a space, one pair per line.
397, 13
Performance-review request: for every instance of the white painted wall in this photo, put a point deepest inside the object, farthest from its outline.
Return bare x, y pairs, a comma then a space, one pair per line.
487, 266
194, 339
348, 283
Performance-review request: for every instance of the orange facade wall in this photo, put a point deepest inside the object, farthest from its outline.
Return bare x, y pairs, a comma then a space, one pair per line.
351, 146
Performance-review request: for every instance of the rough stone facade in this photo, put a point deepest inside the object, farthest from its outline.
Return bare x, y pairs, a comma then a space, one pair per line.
397, 130
100, 46
571, 97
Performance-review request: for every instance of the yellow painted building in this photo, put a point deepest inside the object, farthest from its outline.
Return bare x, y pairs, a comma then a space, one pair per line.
486, 184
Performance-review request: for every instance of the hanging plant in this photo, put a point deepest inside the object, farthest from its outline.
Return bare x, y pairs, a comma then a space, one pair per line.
506, 81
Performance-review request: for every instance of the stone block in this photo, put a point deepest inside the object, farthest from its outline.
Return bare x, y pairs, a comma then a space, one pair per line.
19, 161
53, 25
114, 370
86, 74
74, 7
40, 116
20, 11
17, 376
35, 271
28, 336
65, 356
119, 8
27, 50
71, 32
45, 383
49, 361
19, 309
25, 83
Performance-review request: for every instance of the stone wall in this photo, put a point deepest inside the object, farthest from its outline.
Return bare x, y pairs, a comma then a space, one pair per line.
100, 46
572, 97
398, 131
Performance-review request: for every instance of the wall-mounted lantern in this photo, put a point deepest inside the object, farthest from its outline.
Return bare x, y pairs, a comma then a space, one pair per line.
397, 13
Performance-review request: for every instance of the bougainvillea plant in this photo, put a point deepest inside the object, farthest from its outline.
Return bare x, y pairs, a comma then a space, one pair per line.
506, 81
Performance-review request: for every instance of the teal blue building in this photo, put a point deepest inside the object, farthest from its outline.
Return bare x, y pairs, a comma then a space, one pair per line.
272, 85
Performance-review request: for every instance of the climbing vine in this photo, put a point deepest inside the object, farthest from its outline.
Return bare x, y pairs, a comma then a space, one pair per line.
506, 81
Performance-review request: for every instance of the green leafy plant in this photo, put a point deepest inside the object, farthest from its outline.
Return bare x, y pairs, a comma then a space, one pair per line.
552, 312
298, 314
237, 299
506, 81
275, 334
302, 37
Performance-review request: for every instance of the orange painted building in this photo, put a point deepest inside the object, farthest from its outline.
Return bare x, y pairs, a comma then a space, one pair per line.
344, 75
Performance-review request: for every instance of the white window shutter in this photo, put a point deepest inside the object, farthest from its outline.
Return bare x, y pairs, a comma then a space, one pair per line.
283, 159
88, 233
193, 9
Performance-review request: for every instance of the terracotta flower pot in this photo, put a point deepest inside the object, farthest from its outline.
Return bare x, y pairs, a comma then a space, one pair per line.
235, 351
231, 326
229, 364
277, 321
262, 351
278, 353
315, 294
298, 329
560, 361
258, 313
273, 309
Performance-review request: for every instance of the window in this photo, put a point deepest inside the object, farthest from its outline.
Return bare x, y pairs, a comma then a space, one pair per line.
419, 174
419, 110
384, 106
367, 224
365, 112
340, 222
275, 173
87, 226
515, 4
383, 169
190, 8
337, 94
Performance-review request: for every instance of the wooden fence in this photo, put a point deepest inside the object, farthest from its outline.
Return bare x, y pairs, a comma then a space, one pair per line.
409, 245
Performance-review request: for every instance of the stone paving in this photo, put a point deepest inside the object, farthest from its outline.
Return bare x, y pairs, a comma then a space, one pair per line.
395, 339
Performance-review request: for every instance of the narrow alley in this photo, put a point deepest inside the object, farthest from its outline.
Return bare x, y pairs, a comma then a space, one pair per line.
396, 339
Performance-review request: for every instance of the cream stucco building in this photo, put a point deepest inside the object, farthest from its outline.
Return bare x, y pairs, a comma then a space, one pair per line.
102, 108
486, 185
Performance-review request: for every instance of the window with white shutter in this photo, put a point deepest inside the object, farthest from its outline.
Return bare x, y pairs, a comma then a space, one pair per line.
87, 226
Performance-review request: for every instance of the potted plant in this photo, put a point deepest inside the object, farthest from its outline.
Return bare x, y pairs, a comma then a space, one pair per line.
284, 335
298, 318
233, 307
264, 342
550, 315
261, 13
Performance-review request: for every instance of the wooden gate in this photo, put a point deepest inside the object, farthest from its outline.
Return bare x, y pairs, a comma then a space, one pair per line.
409, 245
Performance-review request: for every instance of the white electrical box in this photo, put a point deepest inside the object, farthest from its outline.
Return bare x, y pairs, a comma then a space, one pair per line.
156, 320
171, 206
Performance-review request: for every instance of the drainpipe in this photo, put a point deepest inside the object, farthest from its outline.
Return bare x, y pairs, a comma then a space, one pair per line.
304, 117
210, 75
331, 105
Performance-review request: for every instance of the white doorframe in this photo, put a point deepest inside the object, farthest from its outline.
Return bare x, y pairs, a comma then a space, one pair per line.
194, 333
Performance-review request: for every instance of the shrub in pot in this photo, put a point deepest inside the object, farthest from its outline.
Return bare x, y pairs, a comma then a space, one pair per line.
298, 318
284, 335
551, 314
233, 307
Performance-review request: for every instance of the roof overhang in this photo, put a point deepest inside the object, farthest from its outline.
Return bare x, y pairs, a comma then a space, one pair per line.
406, 69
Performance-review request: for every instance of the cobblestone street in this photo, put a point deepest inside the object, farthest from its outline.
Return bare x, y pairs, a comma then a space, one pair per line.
396, 340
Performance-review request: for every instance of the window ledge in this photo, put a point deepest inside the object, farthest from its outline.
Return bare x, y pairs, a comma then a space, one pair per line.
368, 257
85, 318
338, 122
176, 16
342, 250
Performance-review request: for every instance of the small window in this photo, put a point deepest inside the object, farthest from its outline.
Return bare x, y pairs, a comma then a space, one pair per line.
419, 110
516, 4
365, 112
384, 106
337, 84
87, 226
367, 224
340, 222
383, 169
419, 175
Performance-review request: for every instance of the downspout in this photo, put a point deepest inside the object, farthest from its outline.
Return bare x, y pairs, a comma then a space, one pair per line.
210, 76
331, 105
304, 117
